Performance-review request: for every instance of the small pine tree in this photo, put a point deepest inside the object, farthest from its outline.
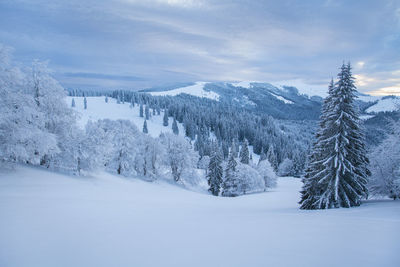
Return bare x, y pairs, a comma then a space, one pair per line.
272, 158
165, 118
337, 172
84, 103
145, 130
244, 153
175, 128
147, 112
141, 110
73, 103
215, 172
230, 186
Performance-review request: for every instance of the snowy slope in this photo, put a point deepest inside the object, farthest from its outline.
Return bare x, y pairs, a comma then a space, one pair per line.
303, 88
282, 99
48, 219
195, 90
385, 104
98, 109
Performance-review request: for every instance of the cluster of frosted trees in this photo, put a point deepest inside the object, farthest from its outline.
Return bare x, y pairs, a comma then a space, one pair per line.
385, 165
238, 175
35, 122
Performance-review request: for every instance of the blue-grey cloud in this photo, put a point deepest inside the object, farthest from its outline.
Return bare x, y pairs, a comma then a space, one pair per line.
165, 41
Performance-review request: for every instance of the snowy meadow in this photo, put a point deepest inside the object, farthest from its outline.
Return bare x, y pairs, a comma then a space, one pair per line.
48, 219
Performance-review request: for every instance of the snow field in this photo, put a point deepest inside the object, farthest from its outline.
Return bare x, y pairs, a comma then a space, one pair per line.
48, 219
98, 109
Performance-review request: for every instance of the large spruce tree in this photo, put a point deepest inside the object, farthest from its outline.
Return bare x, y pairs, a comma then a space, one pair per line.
337, 172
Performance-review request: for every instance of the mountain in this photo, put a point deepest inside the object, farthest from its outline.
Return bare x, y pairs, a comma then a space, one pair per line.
276, 99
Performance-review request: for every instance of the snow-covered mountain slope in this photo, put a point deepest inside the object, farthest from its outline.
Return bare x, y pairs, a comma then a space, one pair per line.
195, 90
291, 99
97, 109
49, 219
385, 104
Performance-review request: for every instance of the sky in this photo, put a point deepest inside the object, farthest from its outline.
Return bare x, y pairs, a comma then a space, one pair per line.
144, 43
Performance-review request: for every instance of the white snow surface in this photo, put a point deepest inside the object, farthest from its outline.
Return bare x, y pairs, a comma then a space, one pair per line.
97, 109
196, 90
48, 219
303, 88
281, 98
387, 104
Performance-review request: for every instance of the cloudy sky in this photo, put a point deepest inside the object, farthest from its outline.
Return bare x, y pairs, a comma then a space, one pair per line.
144, 43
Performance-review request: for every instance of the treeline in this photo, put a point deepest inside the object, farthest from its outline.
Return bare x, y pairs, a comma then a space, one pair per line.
206, 120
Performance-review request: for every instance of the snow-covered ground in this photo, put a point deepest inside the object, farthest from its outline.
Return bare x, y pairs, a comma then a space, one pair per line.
195, 90
49, 219
97, 109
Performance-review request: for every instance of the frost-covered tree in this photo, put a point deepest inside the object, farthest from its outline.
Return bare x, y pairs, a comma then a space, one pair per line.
175, 128
286, 168
73, 103
337, 172
85, 103
385, 165
272, 158
145, 130
165, 118
230, 186
124, 140
250, 180
266, 171
147, 112
149, 157
244, 153
215, 172
141, 111
179, 155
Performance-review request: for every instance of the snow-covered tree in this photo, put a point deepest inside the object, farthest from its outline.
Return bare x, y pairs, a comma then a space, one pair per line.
73, 103
175, 128
286, 168
141, 110
230, 186
149, 157
215, 172
272, 158
145, 130
165, 118
244, 153
385, 165
179, 155
203, 163
124, 139
250, 181
23, 134
147, 112
266, 171
337, 172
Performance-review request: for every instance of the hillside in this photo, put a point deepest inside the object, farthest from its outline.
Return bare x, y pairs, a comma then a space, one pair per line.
50, 219
282, 100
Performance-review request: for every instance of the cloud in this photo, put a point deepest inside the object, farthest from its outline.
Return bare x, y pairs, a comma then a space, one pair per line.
160, 41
